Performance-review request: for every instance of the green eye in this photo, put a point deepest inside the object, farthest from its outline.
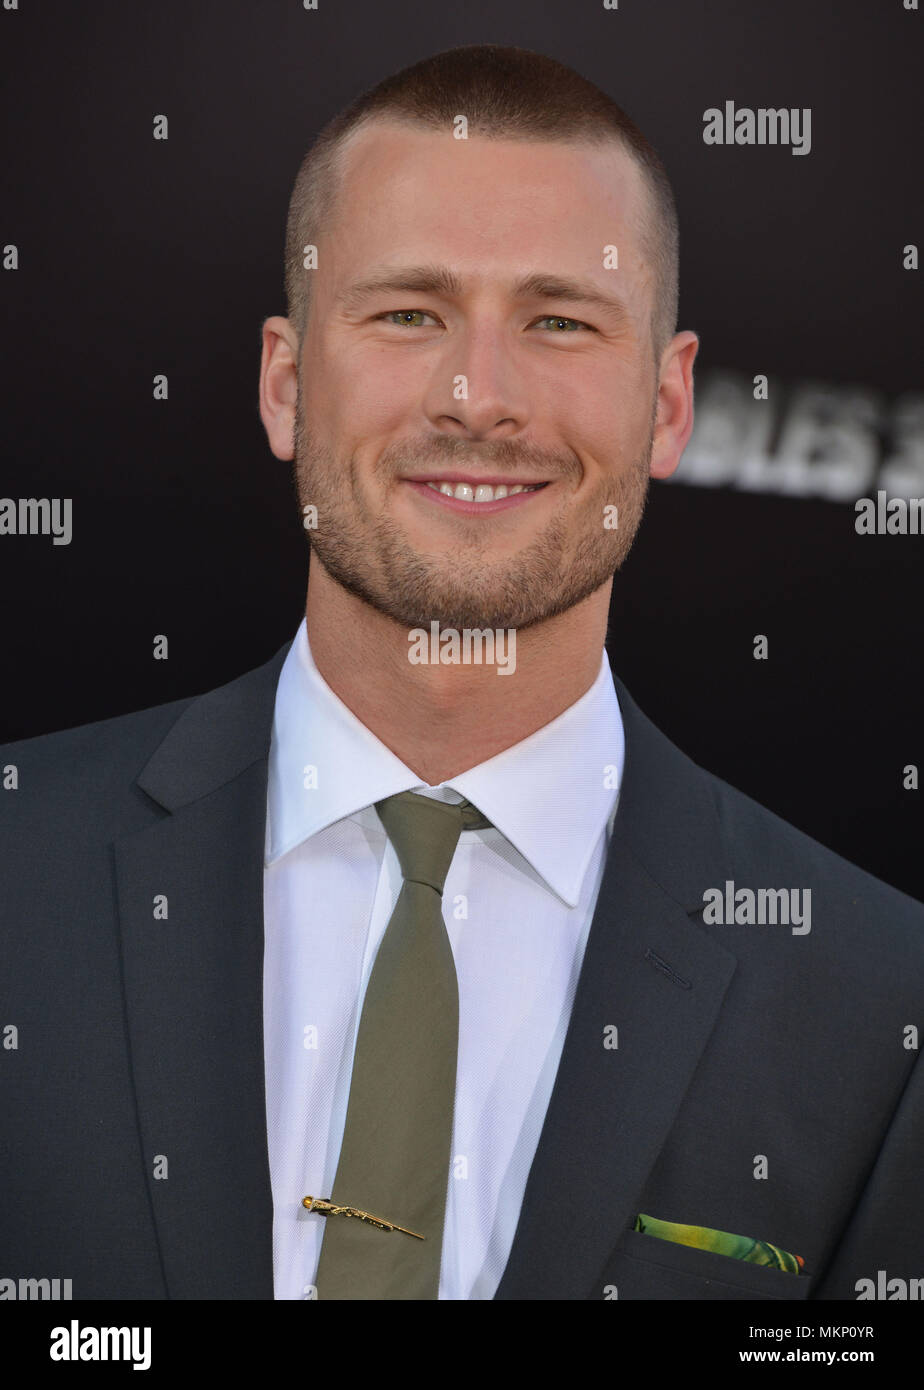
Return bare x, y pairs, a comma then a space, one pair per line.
554, 318
403, 316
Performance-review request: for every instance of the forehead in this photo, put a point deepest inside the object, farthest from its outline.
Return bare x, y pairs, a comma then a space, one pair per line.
417, 194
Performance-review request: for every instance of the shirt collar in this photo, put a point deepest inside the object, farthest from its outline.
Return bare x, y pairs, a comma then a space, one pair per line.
549, 795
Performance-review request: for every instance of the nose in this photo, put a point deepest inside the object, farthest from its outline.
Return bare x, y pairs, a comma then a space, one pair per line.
476, 390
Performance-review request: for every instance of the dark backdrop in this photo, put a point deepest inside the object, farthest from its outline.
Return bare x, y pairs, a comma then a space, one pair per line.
139, 257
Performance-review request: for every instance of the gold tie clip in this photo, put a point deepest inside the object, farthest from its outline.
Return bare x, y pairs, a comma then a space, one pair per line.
326, 1208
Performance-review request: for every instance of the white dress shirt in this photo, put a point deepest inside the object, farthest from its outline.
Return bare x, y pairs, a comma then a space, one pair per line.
518, 903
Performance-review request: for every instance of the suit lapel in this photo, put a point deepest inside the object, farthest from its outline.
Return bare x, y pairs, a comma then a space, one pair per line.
193, 988
653, 974
194, 999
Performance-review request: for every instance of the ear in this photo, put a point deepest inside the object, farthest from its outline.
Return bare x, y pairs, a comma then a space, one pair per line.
279, 385
674, 414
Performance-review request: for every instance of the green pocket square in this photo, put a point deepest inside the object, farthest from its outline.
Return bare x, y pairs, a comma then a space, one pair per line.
755, 1252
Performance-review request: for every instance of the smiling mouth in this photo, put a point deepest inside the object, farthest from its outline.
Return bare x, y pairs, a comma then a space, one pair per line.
482, 492
477, 492
473, 496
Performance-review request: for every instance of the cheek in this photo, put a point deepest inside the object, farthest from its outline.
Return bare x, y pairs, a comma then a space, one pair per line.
608, 408
606, 437
364, 390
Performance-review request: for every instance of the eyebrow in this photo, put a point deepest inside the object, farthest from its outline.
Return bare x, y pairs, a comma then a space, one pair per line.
440, 280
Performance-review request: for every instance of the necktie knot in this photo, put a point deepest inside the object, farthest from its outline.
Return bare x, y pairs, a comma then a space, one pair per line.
425, 833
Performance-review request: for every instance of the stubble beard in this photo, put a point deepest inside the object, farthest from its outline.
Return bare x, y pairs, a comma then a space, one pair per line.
370, 557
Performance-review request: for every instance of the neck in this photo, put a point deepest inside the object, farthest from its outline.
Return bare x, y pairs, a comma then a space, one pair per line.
439, 719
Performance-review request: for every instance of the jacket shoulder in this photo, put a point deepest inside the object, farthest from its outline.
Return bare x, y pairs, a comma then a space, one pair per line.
80, 778
764, 850
95, 766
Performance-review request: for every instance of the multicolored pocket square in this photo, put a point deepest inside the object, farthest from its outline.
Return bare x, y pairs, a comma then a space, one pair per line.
755, 1252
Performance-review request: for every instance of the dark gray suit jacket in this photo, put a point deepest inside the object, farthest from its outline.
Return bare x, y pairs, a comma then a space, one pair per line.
741, 1048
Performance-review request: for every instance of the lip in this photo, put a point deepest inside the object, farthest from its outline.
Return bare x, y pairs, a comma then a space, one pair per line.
456, 504
474, 479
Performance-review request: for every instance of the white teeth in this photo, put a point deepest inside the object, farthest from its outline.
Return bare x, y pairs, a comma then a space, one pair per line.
484, 492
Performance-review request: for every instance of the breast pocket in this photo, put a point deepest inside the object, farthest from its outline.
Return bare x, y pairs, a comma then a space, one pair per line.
643, 1266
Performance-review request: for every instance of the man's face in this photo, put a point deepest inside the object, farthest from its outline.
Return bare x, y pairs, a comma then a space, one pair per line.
482, 380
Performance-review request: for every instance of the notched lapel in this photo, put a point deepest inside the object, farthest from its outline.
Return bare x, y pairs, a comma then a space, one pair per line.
651, 973
194, 992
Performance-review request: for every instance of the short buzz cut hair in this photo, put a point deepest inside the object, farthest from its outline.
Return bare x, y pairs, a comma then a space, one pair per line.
504, 93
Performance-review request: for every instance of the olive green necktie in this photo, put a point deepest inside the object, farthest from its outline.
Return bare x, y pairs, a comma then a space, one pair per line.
396, 1150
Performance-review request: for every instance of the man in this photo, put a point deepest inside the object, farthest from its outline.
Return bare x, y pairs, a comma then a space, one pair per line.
418, 963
